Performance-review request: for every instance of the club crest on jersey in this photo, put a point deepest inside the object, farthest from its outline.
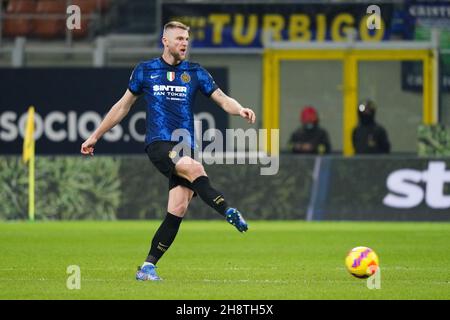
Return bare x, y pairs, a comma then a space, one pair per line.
185, 77
170, 75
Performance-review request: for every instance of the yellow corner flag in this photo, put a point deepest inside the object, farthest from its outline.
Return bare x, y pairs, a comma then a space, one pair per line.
28, 156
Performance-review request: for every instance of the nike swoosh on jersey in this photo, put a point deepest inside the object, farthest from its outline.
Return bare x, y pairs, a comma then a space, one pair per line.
153, 76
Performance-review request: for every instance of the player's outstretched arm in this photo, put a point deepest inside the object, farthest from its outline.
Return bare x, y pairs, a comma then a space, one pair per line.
231, 106
113, 117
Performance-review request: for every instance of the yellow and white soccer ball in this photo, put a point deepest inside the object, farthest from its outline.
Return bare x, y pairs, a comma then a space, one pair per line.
362, 262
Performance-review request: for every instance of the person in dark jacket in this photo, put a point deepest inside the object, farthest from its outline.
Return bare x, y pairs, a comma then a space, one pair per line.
310, 138
369, 137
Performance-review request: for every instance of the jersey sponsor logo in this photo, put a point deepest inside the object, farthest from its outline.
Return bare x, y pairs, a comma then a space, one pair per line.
177, 93
185, 77
161, 87
170, 75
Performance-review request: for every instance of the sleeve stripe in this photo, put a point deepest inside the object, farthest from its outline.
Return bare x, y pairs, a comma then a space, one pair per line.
133, 91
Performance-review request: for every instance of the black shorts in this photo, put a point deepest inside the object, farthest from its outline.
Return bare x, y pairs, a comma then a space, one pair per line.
161, 155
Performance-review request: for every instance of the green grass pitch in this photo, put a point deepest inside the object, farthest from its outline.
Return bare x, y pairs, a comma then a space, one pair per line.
211, 260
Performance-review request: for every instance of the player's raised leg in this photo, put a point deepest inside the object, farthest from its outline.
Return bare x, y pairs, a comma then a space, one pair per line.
194, 171
179, 198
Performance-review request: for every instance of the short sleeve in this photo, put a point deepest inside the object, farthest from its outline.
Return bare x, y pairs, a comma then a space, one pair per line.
136, 80
206, 82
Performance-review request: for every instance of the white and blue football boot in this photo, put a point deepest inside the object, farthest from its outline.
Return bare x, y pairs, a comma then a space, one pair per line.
147, 273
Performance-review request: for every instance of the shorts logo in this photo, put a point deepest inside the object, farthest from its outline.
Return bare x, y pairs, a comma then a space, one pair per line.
219, 200
185, 77
170, 75
172, 154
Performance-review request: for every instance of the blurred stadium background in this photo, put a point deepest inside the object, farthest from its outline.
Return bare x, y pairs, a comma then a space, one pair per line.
275, 57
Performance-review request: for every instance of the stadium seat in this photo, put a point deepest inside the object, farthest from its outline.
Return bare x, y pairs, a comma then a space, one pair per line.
16, 25
103, 5
89, 6
86, 6
50, 27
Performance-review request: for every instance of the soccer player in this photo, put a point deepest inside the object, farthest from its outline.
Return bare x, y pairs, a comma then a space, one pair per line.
169, 84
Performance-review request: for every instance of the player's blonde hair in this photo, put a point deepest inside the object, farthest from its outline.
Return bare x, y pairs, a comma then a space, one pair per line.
175, 24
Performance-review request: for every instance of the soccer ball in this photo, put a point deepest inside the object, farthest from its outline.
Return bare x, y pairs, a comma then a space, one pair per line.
362, 262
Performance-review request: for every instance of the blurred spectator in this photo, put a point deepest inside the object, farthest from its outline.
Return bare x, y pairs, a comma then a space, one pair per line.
310, 138
369, 136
